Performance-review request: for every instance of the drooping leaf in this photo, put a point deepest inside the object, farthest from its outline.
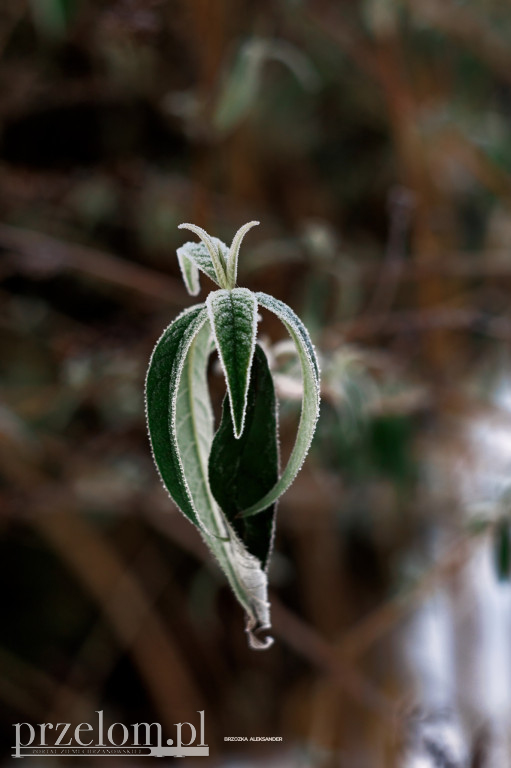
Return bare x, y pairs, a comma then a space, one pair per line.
181, 431
233, 317
232, 259
244, 467
215, 266
163, 376
310, 403
241, 471
194, 435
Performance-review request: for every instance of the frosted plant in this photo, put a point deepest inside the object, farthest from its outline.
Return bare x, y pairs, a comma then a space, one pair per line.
227, 484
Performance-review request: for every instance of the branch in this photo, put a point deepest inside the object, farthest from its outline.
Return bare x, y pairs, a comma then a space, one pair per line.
42, 255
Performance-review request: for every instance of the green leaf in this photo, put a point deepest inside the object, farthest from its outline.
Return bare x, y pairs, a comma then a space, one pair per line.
232, 259
194, 435
180, 423
502, 549
189, 270
215, 265
310, 402
241, 87
195, 256
163, 377
242, 471
233, 317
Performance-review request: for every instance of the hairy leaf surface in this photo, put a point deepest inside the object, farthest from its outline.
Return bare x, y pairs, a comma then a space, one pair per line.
162, 382
194, 433
233, 317
234, 250
241, 471
221, 483
193, 257
215, 265
310, 402
180, 423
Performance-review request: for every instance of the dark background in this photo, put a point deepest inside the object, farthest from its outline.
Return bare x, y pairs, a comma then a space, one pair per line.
372, 141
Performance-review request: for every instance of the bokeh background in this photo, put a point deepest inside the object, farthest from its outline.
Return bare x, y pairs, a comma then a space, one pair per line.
372, 139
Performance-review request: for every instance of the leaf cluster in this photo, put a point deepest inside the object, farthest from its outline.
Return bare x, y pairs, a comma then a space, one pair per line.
227, 484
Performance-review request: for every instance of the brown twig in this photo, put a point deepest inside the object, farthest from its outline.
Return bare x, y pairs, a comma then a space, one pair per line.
381, 621
124, 604
414, 321
43, 255
400, 206
306, 642
487, 263
25, 687
292, 630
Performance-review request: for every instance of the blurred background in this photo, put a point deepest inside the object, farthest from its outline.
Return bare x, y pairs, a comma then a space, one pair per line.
372, 139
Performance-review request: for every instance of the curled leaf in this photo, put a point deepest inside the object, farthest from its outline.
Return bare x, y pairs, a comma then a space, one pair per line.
221, 483
180, 424
163, 376
310, 403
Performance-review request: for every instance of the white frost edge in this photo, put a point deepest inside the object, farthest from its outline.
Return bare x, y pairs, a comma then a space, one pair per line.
268, 302
216, 256
232, 258
191, 277
173, 412
214, 296
253, 625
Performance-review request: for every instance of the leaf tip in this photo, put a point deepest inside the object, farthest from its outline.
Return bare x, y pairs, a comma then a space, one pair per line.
238, 429
257, 639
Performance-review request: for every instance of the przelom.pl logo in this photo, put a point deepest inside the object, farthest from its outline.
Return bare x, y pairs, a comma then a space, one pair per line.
141, 739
